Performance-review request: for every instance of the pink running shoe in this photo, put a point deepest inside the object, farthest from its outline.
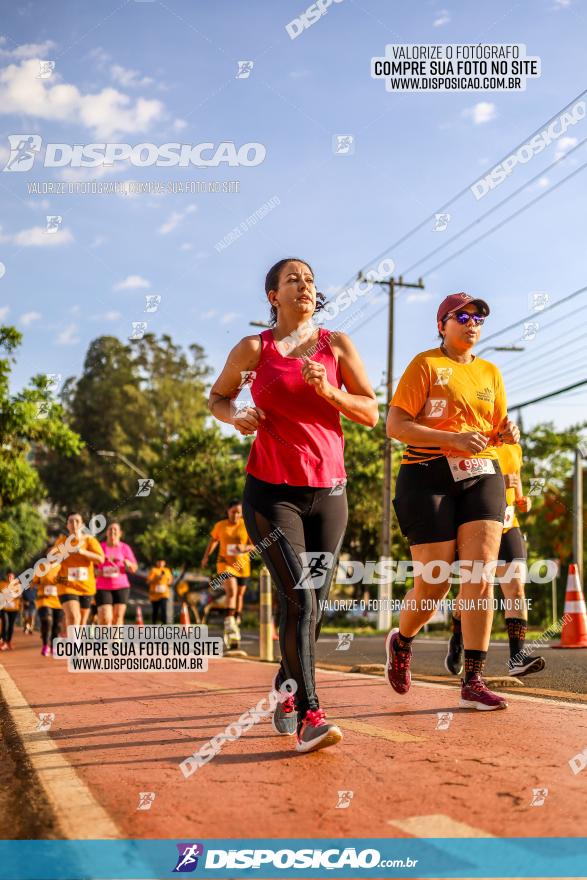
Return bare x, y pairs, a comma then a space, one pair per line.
398, 664
314, 732
285, 717
45, 650
476, 695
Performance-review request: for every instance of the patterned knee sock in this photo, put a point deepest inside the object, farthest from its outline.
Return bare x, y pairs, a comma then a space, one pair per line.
474, 663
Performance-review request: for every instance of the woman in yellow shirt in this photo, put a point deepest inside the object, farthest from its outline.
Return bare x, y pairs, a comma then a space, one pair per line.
234, 566
159, 580
10, 611
76, 583
49, 609
450, 409
512, 580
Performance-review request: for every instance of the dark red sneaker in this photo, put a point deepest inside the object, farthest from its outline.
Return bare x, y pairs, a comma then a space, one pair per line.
476, 695
398, 664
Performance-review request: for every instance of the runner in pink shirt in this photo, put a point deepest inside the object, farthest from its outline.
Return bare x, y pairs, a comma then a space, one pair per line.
112, 585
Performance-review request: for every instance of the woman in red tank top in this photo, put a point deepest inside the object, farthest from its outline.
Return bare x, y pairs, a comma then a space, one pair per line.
294, 503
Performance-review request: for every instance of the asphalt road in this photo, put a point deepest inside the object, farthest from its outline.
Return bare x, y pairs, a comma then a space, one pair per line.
566, 670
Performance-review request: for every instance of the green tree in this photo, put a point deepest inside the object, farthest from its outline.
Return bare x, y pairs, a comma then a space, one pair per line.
30, 423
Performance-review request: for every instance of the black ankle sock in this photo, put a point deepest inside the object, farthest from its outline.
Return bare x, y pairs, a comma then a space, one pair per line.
456, 625
229, 612
403, 643
474, 663
517, 628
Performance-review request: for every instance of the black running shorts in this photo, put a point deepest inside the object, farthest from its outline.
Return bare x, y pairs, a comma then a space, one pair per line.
112, 597
430, 506
84, 601
512, 546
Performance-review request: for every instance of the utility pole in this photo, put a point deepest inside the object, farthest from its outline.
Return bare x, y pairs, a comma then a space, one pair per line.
386, 589
578, 512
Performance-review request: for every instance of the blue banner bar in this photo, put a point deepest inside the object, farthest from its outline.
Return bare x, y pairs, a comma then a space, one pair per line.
311, 858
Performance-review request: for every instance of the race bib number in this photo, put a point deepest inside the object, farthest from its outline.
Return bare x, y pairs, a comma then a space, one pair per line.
161, 588
465, 468
510, 512
232, 549
49, 590
77, 574
110, 571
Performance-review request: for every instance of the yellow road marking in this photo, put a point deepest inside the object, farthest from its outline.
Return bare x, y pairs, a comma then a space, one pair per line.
437, 825
379, 732
78, 813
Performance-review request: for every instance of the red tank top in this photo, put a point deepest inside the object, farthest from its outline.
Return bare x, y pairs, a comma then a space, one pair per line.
300, 441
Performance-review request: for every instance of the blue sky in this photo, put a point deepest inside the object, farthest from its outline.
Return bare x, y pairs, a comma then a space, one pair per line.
161, 72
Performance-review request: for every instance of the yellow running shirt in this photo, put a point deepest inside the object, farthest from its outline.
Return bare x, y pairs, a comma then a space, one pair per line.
442, 394
228, 534
510, 462
46, 585
13, 603
76, 575
159, 580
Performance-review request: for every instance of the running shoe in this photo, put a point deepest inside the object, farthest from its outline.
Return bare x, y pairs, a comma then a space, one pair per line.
476, 695
398, 664
285, 717
525, 665
4, 646
453, 662
314, 732
45, 650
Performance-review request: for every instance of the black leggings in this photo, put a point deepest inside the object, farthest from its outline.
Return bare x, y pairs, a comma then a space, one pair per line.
159, 608
51, 619
8, 621
312, 521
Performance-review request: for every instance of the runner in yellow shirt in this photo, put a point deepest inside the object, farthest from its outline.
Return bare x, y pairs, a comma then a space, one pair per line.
159, 581
49, 609
512, 578
233, 564
9, 613
450, 409
76, 583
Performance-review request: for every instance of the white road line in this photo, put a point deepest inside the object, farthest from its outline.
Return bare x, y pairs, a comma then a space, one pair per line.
78, 813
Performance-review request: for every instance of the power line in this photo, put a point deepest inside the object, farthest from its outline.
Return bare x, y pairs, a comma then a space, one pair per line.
512, 361
543, 360
495, 207
555, 305
463, 191
546, 396
502, 223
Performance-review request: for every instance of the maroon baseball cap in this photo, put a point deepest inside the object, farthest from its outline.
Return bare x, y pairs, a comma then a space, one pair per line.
458, 300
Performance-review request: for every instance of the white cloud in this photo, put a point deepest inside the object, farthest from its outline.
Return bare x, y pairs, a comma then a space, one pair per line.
179, 124
482, 112
129, 78
132, 282
37, 236
228, 317
563, 145
68, 335
105, 113
27, 50
543, 182
29, 317
561, 4
186, 246
443, 17
108, 316
3, 312
418, 297
175, 219
211, 313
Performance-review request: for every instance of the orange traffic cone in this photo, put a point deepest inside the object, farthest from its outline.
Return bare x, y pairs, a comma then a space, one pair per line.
184, 615
139, 616
574, 634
